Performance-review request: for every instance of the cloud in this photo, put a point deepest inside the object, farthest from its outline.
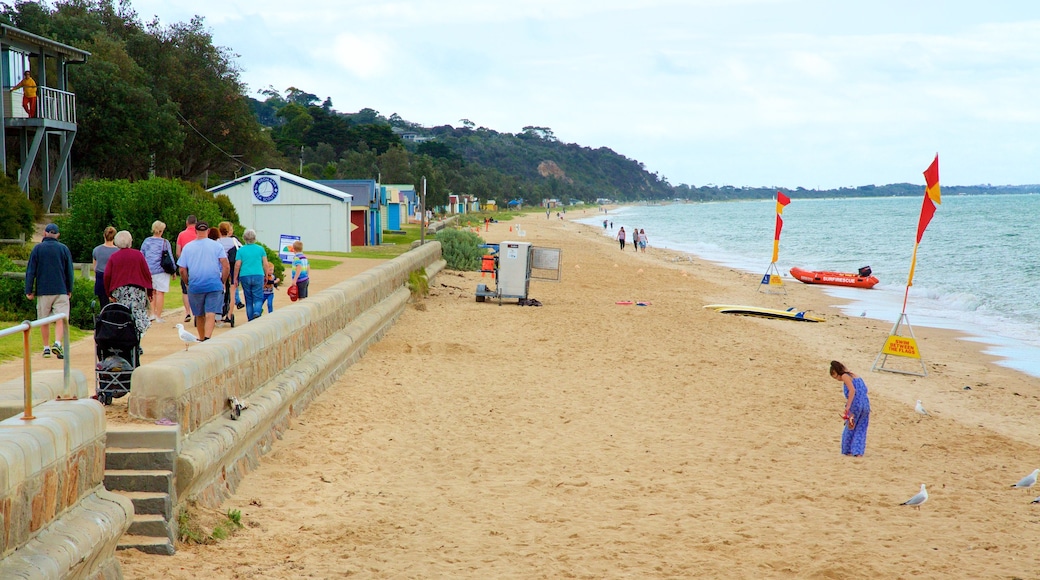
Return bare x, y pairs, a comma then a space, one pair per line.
364, 56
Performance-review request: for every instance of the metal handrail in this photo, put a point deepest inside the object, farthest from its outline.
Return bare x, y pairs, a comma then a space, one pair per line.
24, 328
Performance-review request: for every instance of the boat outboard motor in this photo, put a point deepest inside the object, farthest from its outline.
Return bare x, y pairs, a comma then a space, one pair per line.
865, 271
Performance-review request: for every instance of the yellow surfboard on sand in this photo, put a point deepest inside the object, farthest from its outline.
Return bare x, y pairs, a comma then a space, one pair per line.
791, 314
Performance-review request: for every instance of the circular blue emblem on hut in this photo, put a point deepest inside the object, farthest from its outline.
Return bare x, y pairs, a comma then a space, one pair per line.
265, 189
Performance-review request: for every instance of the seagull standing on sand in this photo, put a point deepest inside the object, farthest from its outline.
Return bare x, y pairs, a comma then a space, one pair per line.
917, 500
186, 336
1029, 480
920, 408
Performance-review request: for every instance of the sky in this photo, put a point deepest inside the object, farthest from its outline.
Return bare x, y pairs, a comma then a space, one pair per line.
762, 93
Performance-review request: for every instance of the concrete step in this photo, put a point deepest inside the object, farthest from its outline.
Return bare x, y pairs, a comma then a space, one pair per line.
150, 525
139, 458
150, 502
138, 435
148, 545
154, 480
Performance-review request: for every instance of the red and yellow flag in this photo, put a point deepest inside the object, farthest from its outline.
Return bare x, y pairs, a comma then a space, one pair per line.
781, 201
932, 198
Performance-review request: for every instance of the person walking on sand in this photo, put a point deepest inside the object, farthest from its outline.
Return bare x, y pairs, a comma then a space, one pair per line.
642, 240
857, 410
49, 278
635, 239
621, 238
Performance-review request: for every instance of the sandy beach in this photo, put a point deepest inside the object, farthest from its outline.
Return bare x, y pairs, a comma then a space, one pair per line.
587, 439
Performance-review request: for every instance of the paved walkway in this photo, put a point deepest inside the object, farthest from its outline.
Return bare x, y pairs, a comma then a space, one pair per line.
161, 339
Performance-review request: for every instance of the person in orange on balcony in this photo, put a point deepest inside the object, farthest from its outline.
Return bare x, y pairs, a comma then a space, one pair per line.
28, 86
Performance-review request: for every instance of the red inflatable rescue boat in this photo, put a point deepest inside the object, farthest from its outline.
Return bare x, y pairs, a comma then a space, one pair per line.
863, 279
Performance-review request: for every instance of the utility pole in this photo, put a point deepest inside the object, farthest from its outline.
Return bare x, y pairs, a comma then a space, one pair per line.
422, 218
301, 160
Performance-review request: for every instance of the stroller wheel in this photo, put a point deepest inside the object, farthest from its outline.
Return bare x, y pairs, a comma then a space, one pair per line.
108, 398
231, 319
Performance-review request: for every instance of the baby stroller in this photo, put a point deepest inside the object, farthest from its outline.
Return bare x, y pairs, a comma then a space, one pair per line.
117, 346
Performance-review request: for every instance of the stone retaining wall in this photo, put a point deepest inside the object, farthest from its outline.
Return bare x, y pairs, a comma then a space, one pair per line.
276, 365
56, 518
46, 386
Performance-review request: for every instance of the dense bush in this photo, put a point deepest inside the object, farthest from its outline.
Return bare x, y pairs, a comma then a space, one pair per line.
16, 251
226, 208
279, 267
15, 307
83, 303
17, 214
131, 206
460, 249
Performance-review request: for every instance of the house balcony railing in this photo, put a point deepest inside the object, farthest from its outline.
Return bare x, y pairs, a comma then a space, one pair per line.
52, 104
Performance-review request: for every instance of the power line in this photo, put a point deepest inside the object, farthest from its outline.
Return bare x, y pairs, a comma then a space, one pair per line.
215, 146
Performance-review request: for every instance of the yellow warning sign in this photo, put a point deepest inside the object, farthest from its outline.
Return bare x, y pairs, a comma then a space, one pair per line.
901, 346
776, 281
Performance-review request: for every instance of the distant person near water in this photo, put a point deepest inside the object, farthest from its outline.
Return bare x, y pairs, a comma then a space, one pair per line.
857, 410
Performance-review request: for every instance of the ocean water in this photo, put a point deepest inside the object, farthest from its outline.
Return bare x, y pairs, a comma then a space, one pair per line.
978, 265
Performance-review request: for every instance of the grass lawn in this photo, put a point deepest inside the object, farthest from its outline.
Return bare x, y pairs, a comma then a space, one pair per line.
12, 346
393, 246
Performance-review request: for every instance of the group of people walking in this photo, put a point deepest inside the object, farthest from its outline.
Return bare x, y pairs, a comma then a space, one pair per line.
639, 239
212, 264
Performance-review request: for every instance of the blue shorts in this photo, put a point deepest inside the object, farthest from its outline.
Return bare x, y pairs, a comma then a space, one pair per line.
206, 302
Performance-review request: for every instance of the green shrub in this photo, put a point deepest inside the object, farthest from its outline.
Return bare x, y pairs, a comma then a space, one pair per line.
460, 249
279, 267
227, 209
16, 251
17, 214
15, 306
82, 305
419, 283
131, 206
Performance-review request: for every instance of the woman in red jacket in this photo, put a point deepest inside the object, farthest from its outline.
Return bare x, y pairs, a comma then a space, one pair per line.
128, 280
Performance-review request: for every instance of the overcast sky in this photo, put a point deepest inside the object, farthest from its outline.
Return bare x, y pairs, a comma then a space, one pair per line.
786, 93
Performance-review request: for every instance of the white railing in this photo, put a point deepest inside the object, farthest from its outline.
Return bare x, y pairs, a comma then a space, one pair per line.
56, 105
24, 328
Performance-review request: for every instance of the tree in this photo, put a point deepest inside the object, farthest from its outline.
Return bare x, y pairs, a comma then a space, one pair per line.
395, 166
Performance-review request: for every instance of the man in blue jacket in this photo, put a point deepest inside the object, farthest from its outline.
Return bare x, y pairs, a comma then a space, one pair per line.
49, 277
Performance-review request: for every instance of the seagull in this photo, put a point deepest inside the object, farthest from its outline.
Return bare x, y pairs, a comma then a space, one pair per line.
186, 336
920, 408
917, 500
1028, 480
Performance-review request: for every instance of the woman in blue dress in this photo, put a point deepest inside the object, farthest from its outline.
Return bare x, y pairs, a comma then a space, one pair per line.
857, 410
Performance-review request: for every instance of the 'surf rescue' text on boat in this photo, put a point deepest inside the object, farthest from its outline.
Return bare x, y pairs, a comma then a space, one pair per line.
862, 279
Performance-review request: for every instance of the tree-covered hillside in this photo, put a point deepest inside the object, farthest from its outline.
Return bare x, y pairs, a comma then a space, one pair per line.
163, 100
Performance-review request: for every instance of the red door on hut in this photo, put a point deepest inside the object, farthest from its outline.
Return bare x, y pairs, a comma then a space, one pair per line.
357, 227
